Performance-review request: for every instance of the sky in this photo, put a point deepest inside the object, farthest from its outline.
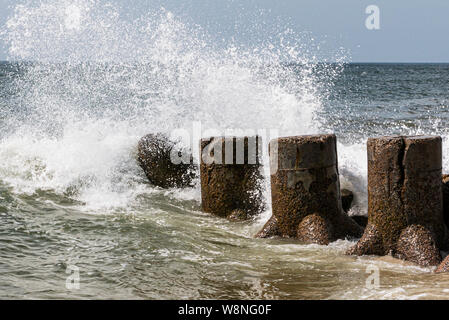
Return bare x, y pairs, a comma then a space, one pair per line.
409, 30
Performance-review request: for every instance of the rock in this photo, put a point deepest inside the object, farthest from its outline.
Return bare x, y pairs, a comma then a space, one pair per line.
361, 220
404, 200
154, 157
305, 191
346, 199
444, 266
231, 177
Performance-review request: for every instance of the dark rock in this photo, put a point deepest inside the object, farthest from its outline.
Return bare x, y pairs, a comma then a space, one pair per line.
404, 200
305, 190
231, 177
361, 220
346, 199
154, 156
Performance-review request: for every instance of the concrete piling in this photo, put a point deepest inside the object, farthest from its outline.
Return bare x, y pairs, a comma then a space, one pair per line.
305, 190
231, 179
405, 205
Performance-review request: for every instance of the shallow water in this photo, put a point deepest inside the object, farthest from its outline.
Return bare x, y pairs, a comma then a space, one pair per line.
72, 194
171, 250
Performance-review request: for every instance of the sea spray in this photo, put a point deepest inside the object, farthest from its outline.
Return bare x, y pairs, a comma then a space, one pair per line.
98, 82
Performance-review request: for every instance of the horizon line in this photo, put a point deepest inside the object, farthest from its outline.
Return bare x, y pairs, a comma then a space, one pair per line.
292, 62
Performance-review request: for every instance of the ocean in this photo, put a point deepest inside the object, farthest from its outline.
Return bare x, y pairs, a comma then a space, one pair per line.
74, 203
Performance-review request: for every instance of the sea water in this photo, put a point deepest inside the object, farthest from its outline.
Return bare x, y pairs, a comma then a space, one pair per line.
78, 218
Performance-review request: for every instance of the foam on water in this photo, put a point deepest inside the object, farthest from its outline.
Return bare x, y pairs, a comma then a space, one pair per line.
100, 82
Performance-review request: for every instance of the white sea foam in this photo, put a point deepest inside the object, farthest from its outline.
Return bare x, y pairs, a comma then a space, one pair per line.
77, 123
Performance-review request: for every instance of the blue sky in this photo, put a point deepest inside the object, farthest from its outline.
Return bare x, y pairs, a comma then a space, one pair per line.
410, 30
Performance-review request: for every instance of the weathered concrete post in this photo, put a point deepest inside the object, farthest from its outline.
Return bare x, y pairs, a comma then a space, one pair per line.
405, 206
305, 191
231, 181
156, 155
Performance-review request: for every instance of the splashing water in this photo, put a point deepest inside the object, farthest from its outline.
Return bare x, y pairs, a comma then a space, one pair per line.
97, 83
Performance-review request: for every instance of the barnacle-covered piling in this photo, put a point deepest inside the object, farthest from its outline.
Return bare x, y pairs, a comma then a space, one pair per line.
305, 190
231, 178
405, 205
